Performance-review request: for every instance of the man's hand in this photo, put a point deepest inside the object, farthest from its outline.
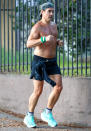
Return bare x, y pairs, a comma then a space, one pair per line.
49, 38
60, 42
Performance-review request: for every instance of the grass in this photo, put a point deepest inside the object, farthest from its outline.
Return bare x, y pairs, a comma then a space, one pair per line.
72, 70
23, 65
16, 62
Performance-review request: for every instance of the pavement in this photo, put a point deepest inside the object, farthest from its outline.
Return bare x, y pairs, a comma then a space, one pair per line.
10, 121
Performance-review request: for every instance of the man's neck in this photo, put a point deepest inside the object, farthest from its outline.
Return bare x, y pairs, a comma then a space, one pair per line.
45, 22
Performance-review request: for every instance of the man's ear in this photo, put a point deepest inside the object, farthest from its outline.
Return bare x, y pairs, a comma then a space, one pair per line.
42, 11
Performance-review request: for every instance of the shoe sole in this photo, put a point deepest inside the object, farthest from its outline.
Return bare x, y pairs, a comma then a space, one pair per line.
27, 125
46, 121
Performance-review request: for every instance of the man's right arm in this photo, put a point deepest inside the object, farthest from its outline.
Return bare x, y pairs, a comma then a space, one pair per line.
34, 37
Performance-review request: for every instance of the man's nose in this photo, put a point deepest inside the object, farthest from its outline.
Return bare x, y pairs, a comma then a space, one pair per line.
51, 13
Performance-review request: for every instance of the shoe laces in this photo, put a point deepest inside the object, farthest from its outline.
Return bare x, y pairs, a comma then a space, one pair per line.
51, 116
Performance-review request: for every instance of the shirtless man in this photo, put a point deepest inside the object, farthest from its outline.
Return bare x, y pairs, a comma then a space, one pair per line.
43, 37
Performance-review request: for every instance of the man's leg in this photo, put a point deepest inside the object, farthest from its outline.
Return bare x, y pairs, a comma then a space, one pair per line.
38, 87
53, 97
46, 115
29, 118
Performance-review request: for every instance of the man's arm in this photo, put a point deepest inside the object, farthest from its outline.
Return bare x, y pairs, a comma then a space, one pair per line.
33, 39
59, 42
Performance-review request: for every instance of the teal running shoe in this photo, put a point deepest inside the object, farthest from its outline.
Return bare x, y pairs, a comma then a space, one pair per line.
29, 121
48, 118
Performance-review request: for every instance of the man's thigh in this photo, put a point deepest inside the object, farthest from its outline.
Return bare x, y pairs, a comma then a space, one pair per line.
57, 78
38, 85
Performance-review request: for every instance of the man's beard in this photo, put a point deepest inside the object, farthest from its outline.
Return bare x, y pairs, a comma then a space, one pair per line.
51, 18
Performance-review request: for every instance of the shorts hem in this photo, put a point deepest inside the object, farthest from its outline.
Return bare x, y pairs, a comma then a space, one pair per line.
36, 79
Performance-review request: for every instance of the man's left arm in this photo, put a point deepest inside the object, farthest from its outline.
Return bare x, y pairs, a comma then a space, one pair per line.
59, 42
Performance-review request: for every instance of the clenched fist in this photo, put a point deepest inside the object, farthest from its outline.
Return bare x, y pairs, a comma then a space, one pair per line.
49, 38
60, 42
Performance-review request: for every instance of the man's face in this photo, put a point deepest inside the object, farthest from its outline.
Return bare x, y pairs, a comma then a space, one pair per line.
48, 14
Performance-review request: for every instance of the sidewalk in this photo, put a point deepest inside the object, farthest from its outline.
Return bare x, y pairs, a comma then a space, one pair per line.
72, 111
10, 121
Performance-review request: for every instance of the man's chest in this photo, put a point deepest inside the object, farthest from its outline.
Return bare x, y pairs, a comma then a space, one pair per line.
45, 31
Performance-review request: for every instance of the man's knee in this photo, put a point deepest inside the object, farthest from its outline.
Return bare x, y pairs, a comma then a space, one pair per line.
38, 87
59, 88
38, 91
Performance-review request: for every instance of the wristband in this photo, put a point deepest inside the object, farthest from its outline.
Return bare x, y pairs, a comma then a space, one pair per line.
43, 39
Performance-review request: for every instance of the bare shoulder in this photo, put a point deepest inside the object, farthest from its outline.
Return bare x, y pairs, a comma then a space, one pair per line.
35, 31
36, 27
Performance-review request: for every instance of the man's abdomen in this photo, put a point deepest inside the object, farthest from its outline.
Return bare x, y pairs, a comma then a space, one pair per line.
45, 51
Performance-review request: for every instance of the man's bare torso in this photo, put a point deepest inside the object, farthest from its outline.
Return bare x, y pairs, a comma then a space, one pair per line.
48, 49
